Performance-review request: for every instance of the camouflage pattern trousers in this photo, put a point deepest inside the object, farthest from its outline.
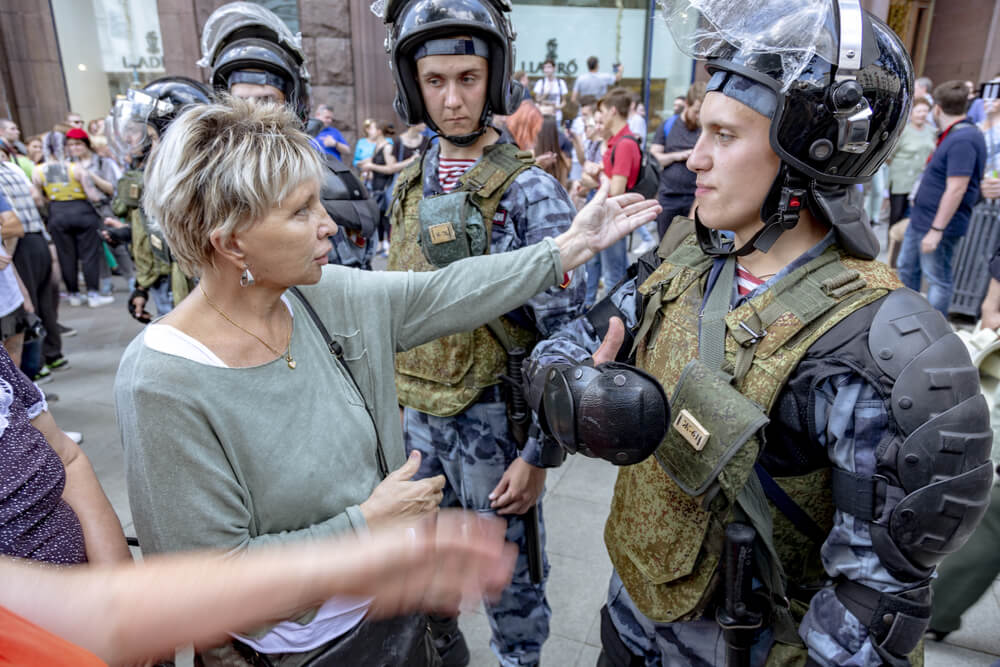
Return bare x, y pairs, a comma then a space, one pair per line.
472, 450
698, 643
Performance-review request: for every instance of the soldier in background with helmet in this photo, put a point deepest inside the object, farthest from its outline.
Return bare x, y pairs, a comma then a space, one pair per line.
826, 420
253, 55
137, 122
474, 193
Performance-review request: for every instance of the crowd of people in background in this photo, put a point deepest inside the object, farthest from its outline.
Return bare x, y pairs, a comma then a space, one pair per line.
59, 186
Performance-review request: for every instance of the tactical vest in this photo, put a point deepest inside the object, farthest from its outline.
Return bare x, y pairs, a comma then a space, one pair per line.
128, 193
445, 376
664, 540
60, 184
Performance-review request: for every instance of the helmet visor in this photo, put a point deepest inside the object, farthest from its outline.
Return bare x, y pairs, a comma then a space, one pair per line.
234, 16
129, 135
745, 31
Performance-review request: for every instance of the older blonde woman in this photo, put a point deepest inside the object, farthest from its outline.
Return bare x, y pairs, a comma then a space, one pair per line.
226, 404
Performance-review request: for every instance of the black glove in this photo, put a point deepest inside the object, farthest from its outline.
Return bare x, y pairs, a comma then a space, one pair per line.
140, 315
118, 235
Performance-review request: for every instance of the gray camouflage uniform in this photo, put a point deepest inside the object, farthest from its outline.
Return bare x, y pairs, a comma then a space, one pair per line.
474, 448
347, 253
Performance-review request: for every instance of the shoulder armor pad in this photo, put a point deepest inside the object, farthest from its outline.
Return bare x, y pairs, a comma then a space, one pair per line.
938, 378
904, 326
937, 477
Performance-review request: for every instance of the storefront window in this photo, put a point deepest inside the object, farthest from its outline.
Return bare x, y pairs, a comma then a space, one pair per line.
107, 46
570, 31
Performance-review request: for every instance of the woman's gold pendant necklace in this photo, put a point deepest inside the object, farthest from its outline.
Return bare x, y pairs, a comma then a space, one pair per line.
288, 346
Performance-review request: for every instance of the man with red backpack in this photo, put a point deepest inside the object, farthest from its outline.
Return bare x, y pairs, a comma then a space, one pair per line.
621, 165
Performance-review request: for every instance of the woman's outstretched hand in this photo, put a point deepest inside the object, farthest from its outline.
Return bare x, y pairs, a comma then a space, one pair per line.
601, 223
434, 564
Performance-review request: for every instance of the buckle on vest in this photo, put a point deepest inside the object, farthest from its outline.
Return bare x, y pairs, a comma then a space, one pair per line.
755, 336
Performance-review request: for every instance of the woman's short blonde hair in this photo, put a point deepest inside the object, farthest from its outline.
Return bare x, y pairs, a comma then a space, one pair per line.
223, 167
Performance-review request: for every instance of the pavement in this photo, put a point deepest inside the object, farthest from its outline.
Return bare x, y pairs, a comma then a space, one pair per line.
576, 503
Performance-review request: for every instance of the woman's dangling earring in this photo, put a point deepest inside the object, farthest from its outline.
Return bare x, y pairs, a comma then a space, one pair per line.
246, 278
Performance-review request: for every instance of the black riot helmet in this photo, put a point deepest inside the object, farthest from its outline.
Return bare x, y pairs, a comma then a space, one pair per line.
836, 83
428, 27
244, 42
178, 92
346, 199
156, 105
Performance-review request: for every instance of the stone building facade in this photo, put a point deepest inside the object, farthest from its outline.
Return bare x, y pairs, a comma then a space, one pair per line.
342, 39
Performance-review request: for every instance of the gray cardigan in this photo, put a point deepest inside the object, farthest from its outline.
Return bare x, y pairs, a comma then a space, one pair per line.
230, 458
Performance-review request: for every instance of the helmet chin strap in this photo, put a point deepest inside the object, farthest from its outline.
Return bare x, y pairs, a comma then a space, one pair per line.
463, 140
780, 212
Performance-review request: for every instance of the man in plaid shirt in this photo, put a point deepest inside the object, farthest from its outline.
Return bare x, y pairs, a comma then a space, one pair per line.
32, 259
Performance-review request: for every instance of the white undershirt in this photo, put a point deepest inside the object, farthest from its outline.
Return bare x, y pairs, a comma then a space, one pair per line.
171, 340
337, 615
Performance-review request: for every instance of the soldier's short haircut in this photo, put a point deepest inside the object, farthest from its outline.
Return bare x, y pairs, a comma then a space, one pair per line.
224, 166
952, 97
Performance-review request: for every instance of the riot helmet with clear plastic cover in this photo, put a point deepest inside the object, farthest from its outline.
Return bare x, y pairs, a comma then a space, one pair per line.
246, 43
837, 86
416, 28
153, 107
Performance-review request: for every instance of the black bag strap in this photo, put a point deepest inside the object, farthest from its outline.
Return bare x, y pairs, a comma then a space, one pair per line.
338, 353
642, 151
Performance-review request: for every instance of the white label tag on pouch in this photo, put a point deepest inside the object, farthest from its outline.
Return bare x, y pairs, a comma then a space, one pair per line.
691, 430
441, 233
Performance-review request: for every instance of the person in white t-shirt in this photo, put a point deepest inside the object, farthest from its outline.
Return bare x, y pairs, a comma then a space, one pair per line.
549, 91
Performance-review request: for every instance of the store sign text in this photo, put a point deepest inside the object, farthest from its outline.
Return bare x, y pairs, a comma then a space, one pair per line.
143, 63
562, 68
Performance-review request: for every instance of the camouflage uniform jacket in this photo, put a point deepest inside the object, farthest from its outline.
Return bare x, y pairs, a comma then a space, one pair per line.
849, 420
534, 207
149, 268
